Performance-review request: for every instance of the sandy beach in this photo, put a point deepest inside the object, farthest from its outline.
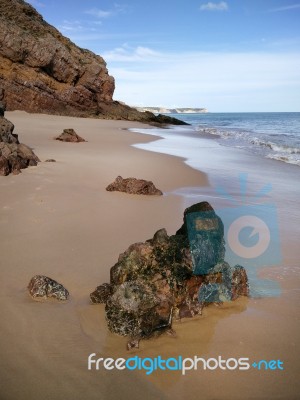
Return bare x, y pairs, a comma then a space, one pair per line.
58, 220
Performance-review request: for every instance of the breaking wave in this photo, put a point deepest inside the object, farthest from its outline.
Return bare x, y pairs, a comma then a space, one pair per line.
281, 151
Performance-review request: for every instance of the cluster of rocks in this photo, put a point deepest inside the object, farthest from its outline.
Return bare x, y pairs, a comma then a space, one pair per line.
164, 279
69, 135
170, 277
14, 155
134, 186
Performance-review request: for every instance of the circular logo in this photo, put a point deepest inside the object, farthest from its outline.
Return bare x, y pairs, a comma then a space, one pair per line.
258, 227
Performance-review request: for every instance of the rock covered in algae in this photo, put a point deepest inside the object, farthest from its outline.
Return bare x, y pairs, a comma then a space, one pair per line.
170, 277
42, 287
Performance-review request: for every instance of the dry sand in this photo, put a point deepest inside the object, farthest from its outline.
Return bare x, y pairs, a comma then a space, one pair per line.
57, 219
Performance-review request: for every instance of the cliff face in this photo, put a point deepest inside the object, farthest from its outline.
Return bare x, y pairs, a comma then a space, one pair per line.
43, 71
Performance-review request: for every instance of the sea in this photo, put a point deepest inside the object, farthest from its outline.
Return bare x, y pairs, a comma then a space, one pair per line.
270, 135
252, 162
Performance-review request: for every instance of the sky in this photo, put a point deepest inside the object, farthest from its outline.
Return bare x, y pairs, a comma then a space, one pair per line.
226, 56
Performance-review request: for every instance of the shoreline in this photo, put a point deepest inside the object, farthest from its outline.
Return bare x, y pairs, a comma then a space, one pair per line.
239, 184
58, 220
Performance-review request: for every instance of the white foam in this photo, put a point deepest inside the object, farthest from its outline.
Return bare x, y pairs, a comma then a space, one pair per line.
284, 158
269, 149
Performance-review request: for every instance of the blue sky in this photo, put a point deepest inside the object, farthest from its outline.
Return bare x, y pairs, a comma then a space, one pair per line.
235, 55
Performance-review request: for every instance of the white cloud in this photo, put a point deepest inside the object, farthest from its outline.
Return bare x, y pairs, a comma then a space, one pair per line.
285, 8
218, 81
98, 13
121, 8
70, 26
82, 30
222, 6
128, 54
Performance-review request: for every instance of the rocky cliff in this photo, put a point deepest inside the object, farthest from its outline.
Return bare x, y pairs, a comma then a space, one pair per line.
43, 71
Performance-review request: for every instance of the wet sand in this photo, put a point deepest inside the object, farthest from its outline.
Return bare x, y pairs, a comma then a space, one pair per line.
57, 219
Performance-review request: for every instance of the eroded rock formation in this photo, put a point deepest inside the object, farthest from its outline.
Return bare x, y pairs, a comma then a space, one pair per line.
134, 186
41, 287
14, 155
43, 71
6, 128
159, 281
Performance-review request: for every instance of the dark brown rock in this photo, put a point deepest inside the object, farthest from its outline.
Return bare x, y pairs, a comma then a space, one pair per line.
42, 287
42, 71
134, 186
239, 282
6, 131
101, 293
157, 282
166, 120
14, 156
2, 106
50, 160
4, 166
69, 135
2, 103
17, 156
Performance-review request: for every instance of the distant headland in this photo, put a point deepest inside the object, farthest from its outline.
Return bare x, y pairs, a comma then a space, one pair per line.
163, 110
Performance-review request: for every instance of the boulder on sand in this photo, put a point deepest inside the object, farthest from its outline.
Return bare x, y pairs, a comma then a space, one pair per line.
42, 287
134, 186
14, 155
168, 278
69, 135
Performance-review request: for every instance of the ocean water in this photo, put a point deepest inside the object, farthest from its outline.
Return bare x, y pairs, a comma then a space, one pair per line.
271, 135
251, 161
